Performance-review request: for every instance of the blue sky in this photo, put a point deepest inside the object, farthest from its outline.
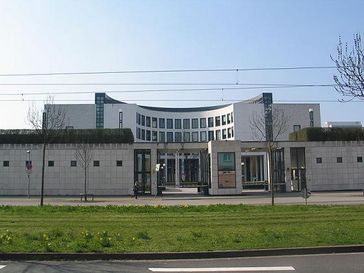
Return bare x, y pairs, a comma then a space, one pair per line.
56, 36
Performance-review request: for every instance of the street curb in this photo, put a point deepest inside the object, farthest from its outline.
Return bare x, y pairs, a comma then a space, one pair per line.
180, 255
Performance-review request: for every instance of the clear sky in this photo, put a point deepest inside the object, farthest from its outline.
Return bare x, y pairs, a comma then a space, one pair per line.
71, 36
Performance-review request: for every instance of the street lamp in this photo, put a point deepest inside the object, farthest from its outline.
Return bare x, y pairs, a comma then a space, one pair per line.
29, 170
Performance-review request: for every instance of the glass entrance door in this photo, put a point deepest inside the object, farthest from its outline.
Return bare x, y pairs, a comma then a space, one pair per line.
142, 170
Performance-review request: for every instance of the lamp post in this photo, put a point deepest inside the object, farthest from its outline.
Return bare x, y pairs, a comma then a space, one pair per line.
29, 170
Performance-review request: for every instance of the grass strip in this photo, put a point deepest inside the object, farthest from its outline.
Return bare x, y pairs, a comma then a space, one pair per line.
177, 228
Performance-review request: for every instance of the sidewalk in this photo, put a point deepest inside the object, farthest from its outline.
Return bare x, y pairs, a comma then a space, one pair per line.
173, 199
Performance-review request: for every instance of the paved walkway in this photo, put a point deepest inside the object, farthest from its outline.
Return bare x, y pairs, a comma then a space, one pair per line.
251, 198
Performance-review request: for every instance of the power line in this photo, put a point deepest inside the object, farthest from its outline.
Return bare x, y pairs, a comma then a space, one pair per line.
167, 71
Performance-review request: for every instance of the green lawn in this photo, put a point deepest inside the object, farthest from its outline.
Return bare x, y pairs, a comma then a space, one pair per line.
183, 228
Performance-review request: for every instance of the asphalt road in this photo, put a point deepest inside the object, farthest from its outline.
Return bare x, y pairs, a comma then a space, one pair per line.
328, 263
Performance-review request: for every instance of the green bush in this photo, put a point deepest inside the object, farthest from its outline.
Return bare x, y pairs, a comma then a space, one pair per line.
328, 134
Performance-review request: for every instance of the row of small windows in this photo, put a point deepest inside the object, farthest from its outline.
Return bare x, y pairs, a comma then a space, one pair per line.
339, 159
73, 163
186, 123
202, 136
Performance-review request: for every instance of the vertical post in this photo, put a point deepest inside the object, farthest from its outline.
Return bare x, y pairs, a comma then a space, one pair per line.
28, 172
310, 114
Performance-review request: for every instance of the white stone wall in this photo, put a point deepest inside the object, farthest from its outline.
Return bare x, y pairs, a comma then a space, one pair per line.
62, 179
215, 147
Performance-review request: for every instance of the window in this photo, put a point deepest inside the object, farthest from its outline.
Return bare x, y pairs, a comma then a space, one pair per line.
359, 159
223, 133
339, 159
96, 163
143, 134
147, 135
177, 123
169, 136
178, 137
162, 137
147, 121
217, 121
50, 163
232, 119
232, 131
223, 119
318, 160
194, 136
218, 135
296, 128
6, 163
202, 122
186, 137
211, 122
211, 135
229, 132
186, 123
119, 163
203, 137
154, 122
73, 163
162, 123
154, 135
169, 123
194, 123
228, 118
143, 120
138, 133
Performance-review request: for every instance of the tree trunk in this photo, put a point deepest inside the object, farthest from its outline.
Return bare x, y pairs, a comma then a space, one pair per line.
85, 184
42, 185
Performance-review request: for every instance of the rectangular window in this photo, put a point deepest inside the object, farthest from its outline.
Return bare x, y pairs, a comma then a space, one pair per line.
211, 135
232, 131
143, 120
223, 133
169, 136
169, 123
96, 163
147, 121
154, 122
232, 115
6, 163
177, 124
339, 159
318, 160
359, 159
217, 121
194, 136
202, 122
218, 135
228, 118
143, 134
229, 132
211, 122
186, 123
296, 128
50, 163
162, 137
147, 135
223, 119
178, 137
138, 133
138, 118
119, 163
186, 137
154, 136
162, 123
73, 163
203, 137
226, 170
194, 123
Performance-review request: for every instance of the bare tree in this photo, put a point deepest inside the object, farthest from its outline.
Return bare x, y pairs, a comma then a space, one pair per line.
84, 154
47, 123
270, 134
350, 67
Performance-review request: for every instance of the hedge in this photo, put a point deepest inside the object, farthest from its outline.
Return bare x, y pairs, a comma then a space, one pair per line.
328, 134
68, 136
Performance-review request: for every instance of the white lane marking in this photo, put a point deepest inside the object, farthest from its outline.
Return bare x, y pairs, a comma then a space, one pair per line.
2, 266
225, 269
